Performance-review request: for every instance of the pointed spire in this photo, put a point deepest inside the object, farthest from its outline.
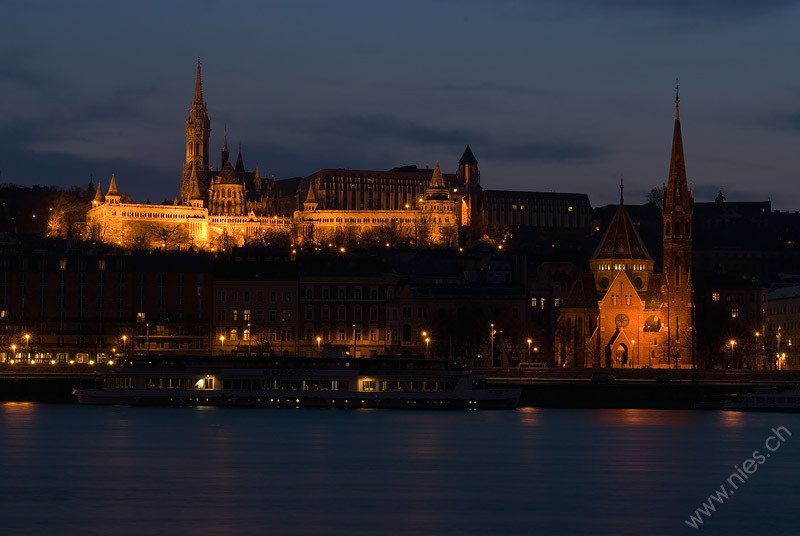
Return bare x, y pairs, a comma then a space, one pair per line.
226, 154
198, 86
621, 240
239, 168
98, 194
468, 157
621, 191
677, 191
194, 185
436, 179
112, 188
677, 100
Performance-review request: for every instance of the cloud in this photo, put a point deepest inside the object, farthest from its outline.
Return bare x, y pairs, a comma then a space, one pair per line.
728, 9
782, 122
560, 152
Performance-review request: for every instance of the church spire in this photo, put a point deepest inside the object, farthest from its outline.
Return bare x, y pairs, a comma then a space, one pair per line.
621, 191
677, 195
98, 195
677, 100
198, 85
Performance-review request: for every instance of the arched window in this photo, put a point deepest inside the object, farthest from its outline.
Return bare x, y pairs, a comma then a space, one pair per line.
677, 228
667, 228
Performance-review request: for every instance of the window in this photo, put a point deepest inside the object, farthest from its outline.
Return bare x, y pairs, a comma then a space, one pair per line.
341, 335
234, 335
246, 315
357, 293
272, 296
326, 293
422, 312
259, 316
234, 314
234, 296
373, 293
557, 302
406, 312
62, 265
735, 312
140, 318
286, 296
101, 265
260, 296
247, 296
220, 314
326, 312
309, 293
309, 313
220, 295
357, 313
272, 316
534, 302
342, 293
340, 313
373, 314
715, 296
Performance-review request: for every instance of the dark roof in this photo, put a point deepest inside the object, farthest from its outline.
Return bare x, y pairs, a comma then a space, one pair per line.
239, 163
228, 175
418, 175
583, 293
621, 240
537, 195
468, 157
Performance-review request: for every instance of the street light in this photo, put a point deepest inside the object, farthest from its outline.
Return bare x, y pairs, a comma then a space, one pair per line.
491, 347
249, 338
427, 347
28, 343
529, 349
124, 343
222, 342
13, 353
355, 341
319, 345
733, 343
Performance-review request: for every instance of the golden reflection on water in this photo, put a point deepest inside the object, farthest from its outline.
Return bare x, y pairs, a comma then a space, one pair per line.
644, 417
529, 416
732, 419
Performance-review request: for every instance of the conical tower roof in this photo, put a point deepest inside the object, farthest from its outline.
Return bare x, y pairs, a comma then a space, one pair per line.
621, 240
98, 194
227, 175
468, 157
112, 188
436, 179
239, 163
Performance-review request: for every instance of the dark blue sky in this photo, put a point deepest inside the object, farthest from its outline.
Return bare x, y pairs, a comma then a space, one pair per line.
551, 95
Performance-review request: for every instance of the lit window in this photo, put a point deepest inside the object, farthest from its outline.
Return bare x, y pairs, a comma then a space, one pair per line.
715, 296
62, 265
735, 312
557, 302
101, 265
534, 302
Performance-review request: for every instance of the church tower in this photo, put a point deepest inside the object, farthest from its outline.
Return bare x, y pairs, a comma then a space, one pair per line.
677, 227
198, 130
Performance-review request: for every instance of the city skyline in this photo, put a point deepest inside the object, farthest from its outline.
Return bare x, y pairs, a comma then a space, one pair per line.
550, 97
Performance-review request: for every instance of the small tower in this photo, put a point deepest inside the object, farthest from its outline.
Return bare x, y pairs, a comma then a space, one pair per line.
226, 154
469, 180
98, 195
198, 130
112, 195
677, 214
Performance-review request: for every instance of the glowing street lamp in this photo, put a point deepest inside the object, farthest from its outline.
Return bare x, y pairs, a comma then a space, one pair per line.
13, 353
427, 347
529, 349
319, 345
222, 342
732, 343
124, 343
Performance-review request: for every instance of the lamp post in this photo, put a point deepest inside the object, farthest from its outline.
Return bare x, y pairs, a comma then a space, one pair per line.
427, 347
319, 345
355, 341
529, 349
148, 338
222, 343
13, 353
249, 338
755, 361
124, 343
733, 343
28, 343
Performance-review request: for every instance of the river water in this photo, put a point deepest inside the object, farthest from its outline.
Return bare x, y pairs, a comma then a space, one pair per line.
223, 471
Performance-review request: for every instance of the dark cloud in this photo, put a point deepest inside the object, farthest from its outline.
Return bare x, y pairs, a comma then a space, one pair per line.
782, 122
371, 127
688, 9
555, 151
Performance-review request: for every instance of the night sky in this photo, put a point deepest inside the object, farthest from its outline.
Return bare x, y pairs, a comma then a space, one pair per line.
552, 95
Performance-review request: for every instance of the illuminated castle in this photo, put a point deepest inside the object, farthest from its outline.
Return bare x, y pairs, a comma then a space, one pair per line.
234, 206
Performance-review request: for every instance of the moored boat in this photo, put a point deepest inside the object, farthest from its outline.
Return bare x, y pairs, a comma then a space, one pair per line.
765, 399
298, 382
